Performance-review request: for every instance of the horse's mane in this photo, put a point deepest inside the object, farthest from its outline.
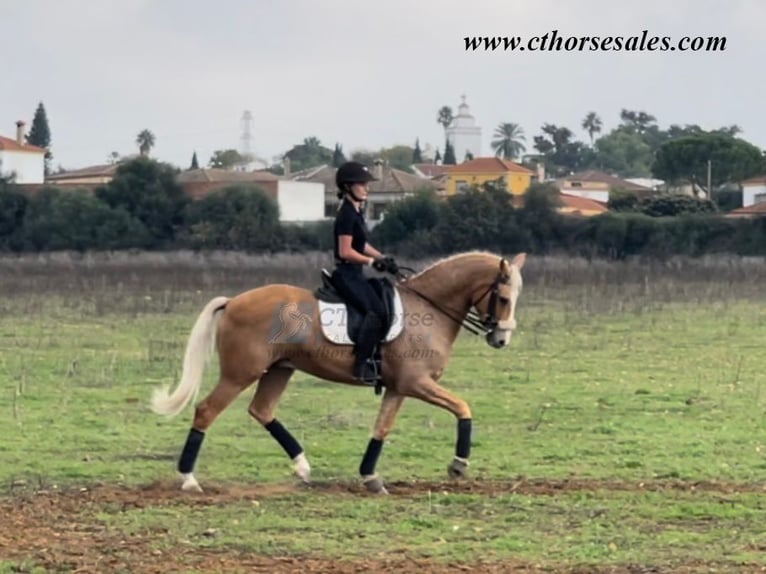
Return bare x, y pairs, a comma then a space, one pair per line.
451, 258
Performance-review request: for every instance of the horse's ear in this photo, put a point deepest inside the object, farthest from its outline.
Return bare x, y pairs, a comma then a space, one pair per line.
519, 260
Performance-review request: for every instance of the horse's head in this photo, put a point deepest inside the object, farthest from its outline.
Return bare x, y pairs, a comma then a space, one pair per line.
497, 306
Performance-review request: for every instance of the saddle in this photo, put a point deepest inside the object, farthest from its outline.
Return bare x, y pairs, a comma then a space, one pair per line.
341, 321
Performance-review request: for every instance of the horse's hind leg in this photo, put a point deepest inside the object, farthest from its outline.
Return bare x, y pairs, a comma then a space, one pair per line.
204, 414
262, 408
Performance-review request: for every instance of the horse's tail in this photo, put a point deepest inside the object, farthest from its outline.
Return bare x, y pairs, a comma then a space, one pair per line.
198, 349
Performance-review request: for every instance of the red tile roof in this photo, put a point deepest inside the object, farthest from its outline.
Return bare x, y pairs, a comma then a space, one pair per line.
582, 203
8, 144
761, 179
488, 165
755, 210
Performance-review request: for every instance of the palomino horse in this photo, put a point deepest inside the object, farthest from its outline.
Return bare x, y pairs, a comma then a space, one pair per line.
436, 302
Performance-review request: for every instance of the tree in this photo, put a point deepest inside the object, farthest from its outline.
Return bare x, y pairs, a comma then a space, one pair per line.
417, 155
445, 116
508, 141
148, 191
364, 156
639, 121
40, 134
338, 159
468, 155
624, 152
449, 154
113, 158
145, 141
398, 157
226, 159
194, 162
686, 159
592, 124
310, 153
561, 154
236, 217
75, 219
437, 156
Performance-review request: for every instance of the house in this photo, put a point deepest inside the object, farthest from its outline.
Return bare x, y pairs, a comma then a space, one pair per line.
748, 212
753, 191
578, 205
299, 201
20, 160
87, 177
597, 185
478, 171
429, 170
392, 185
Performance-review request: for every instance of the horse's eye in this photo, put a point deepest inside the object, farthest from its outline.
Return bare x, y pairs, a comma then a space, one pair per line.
504, 300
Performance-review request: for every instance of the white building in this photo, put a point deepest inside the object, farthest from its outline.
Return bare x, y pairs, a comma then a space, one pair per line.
24, 162
753, 191
298, 201
464, 134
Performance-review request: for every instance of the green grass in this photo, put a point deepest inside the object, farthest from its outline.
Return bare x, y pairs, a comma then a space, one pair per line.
637, 391
575, 528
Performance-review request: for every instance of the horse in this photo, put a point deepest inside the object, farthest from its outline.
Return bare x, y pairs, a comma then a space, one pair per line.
476, 290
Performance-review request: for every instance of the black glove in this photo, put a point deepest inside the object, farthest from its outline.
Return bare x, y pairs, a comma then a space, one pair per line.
391, 265
380, 264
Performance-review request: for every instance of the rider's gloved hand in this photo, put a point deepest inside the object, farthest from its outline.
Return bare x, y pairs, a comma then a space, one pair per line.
380, 264
391, 265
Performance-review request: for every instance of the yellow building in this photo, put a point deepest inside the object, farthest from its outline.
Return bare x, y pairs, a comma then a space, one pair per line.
483, 169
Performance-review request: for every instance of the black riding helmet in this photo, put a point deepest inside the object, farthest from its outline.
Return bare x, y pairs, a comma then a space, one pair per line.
349, 173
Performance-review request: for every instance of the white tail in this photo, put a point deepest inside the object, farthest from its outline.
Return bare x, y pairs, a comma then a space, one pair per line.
199, 348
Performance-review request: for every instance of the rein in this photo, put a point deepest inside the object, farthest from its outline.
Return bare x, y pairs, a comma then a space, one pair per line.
472, 322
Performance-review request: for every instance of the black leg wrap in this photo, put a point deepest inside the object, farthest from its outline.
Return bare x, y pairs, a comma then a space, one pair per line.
287, 441
190, 451
371, 456
463, 448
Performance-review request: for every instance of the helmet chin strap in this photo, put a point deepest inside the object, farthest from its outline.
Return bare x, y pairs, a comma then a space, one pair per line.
351, 193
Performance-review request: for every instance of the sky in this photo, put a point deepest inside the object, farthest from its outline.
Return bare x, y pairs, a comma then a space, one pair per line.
364, 74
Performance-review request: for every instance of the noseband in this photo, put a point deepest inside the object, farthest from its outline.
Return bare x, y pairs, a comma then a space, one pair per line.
490, 320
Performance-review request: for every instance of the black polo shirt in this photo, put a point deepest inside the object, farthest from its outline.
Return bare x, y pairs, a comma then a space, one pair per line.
349, 221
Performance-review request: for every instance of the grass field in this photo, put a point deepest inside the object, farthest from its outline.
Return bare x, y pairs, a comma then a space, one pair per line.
623, 431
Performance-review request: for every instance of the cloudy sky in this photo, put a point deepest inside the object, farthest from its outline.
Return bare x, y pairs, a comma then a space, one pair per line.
360, 73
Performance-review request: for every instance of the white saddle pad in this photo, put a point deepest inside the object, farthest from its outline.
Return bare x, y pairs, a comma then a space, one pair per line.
333, 318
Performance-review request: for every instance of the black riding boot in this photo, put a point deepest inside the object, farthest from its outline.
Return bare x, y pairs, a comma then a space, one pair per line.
365, 367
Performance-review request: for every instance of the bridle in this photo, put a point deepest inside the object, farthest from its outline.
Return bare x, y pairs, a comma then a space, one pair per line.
473, 322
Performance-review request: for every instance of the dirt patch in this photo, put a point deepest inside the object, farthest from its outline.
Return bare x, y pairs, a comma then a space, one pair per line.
58, 529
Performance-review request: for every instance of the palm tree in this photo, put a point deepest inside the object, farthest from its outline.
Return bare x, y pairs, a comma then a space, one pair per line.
445, 116
508, 141
145, 141
592, 124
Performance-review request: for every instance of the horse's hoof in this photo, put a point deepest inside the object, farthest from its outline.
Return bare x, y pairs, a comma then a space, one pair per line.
458, 468
374, 484
190, 484
302, 468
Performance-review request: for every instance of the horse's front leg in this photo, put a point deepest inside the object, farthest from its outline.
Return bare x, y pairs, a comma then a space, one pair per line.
426, 389
389, 407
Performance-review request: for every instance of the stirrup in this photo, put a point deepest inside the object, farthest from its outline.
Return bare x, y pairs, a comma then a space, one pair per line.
370, 372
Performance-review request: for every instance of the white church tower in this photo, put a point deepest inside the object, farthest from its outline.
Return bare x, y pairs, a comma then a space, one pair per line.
464, 134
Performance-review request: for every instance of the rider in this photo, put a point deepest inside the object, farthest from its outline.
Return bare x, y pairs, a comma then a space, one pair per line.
352, 253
